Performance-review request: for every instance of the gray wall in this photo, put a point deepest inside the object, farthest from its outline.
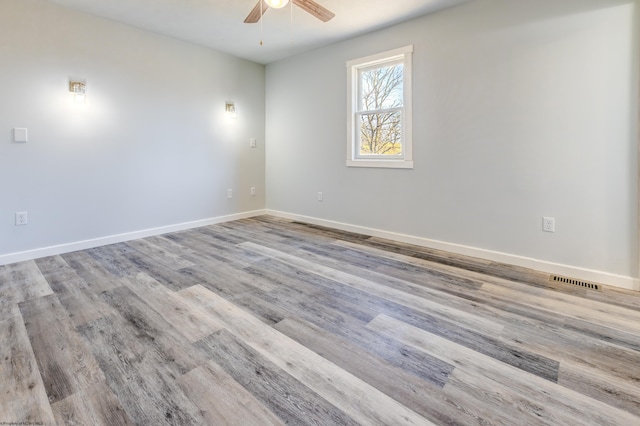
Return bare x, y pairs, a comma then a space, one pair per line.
151, 148
522, 109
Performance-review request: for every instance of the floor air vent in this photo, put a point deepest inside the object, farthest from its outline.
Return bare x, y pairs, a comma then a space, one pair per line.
573, 281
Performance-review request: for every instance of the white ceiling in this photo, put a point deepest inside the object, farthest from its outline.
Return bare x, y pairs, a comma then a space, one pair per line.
218, 24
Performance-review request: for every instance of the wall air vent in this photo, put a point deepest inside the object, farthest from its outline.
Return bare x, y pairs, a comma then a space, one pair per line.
573, 281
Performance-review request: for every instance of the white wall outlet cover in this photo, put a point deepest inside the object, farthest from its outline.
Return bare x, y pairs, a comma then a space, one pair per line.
20, 134
548, 224
21, 218
252, 142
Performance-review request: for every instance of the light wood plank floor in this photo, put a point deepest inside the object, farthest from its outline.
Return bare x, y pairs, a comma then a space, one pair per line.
265, 321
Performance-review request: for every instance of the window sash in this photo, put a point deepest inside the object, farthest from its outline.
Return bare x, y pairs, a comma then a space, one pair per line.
392, 62
356, 68
360, 112
357, 154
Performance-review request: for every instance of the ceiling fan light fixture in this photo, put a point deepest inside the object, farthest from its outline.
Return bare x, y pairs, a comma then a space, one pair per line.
277, 4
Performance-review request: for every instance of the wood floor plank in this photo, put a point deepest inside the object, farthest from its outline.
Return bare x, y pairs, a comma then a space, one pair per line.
601, 386
487, 267
565, 407
438, 317
413, 272
490, 345
401, 356
313, 290
332, 383
222, 400
288, 398
256, 231
619, 386
142, 357
622, 319
335, 308
336, 234
148, 331
209, 247
124, 261
110, 258
72, 291
219, 283
20, 282
420, 395
23, 398
94, 274
515, 311
234, 279
65, 362
266, 313
160, 254
96, 405
188, 319
386, 292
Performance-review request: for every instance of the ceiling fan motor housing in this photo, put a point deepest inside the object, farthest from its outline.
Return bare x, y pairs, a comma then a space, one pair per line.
277, 4
309, 6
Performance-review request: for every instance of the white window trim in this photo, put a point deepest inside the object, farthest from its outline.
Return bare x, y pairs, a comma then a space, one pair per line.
404, 55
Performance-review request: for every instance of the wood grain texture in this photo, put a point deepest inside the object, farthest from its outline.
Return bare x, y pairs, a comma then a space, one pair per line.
65, 361
420, 395
141, 373
96, 405
72, 291
271, 321
282, 393
187, 318
217, 395
342, 389
94, 274
383, 291
571, 406
20, 282
23, 397
314, 300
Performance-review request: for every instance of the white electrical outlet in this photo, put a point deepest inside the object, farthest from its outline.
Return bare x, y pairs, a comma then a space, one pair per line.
549, 224
320, 196
252, 143
21, 218
229, 193
253, 191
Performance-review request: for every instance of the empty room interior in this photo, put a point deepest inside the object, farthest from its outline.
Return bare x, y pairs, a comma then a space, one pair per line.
329, 212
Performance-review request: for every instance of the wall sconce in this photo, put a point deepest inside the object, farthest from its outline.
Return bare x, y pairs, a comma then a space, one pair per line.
78, 89
230, 108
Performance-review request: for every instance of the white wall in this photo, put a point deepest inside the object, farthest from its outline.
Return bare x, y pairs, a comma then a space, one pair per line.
522, 109
151, 148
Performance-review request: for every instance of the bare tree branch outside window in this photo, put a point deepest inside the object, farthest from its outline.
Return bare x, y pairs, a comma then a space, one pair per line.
381, 102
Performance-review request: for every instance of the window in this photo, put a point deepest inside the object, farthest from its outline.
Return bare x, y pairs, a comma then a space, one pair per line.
379, 110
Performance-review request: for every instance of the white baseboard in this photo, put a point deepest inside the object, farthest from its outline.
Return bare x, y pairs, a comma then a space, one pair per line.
6, 259
601, 277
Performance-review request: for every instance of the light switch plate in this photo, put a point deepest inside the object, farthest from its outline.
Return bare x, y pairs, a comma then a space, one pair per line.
20, 135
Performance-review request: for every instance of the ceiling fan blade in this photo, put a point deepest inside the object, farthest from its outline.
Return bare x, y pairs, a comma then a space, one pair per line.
320, 12
255, 15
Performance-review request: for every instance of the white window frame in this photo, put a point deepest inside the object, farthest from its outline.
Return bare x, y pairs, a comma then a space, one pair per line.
396, 56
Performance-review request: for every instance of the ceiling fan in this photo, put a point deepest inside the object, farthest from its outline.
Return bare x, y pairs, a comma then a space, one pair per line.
310, 6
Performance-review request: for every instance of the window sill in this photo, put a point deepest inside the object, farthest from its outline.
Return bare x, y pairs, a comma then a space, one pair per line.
381, 164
